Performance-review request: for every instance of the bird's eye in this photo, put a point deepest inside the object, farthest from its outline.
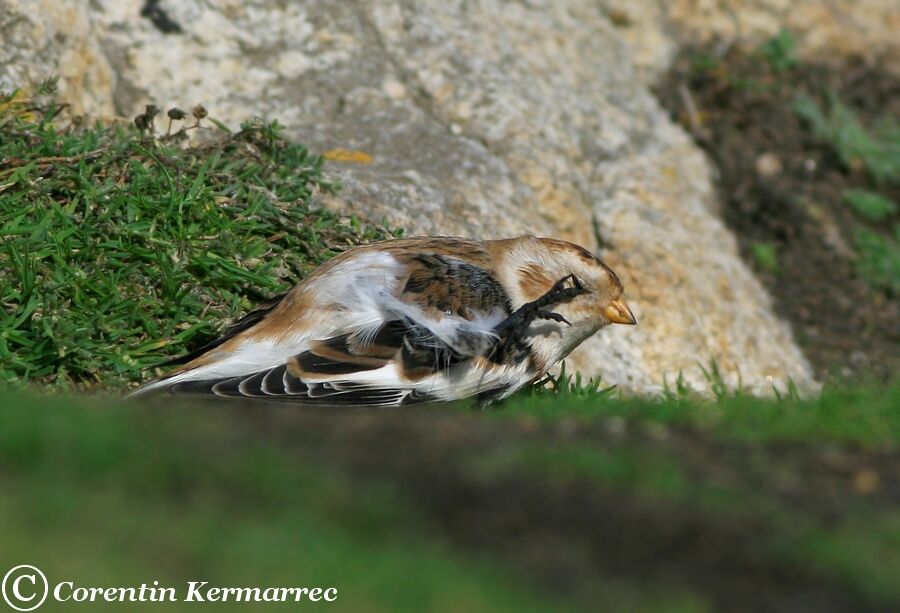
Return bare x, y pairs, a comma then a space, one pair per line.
577, 282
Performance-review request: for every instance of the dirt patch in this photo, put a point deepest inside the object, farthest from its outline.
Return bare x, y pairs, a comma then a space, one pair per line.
781, 188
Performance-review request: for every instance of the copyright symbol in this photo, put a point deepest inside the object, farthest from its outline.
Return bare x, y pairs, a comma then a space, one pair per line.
25, 587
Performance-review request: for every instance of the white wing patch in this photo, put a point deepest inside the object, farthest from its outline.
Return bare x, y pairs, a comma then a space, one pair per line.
366, 298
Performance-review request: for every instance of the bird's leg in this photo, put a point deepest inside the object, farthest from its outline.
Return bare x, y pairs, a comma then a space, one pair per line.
511, 331
528, 312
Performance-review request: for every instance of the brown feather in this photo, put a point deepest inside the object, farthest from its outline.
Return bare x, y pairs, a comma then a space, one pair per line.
533, 281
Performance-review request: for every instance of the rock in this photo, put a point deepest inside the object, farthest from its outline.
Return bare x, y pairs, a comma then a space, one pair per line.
43, 39
768, 165
654, 31
481, 119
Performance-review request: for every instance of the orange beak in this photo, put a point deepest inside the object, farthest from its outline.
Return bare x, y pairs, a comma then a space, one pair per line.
618, 313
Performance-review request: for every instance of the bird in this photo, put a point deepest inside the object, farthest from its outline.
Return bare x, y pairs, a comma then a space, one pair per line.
409, 321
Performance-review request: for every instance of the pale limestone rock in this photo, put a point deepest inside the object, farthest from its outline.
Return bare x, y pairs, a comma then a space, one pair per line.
43, 39
483, 119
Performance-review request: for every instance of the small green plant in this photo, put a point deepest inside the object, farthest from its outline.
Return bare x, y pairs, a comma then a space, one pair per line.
780, 51
791, 392
683, 393
704, 63
878, 259
680, 393
717, 384
766, 257
871, 205
878, 149
565, 384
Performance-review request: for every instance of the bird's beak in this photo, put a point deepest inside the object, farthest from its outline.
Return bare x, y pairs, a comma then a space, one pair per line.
618, 313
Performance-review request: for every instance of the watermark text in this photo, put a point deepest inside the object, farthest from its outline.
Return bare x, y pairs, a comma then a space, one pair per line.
26, 588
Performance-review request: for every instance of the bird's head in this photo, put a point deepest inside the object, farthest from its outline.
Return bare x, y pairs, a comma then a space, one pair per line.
530, 268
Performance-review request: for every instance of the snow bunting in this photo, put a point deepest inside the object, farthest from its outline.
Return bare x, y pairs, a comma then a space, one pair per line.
412, 320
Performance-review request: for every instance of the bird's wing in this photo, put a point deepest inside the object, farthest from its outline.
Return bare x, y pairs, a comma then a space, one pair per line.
246, 322
379, 329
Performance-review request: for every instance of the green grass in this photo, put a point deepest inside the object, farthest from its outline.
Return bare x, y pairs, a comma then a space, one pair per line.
872, 206
116, 494
876, 148
766, 257
118, 248
879, 259
856, 415
780, 51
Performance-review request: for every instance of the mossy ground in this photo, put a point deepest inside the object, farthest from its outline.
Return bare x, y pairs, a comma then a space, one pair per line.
119, 249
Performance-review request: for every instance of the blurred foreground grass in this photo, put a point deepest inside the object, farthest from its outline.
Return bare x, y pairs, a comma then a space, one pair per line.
107, 495
545, 503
